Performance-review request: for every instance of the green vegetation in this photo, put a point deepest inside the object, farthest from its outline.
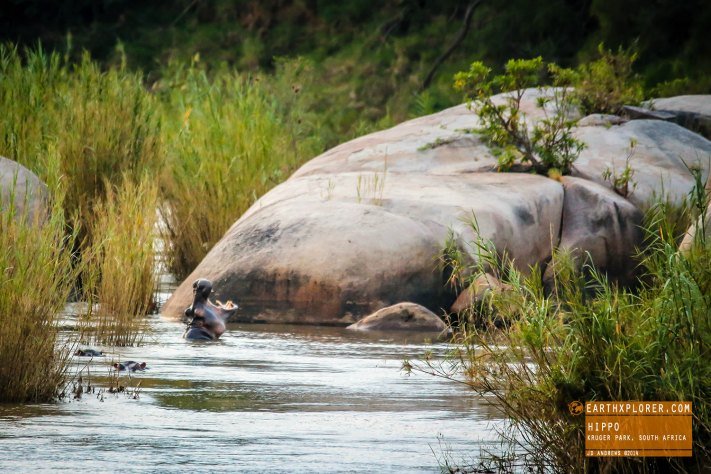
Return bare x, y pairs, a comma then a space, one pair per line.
607, 83
200, 147
120, 266
622, 181
587, 339
37, 278
371, 64
545, 144
103, 124
229, 141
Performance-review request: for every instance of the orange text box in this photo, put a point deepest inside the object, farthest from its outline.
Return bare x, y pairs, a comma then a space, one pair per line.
638, 429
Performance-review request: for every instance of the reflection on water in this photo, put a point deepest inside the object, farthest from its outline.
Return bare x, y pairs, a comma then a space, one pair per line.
263, 399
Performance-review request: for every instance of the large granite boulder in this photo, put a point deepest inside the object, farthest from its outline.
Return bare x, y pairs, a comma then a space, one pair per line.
599, 226
401, 317
362, 226
23, 189
690, 111
660, 154
298, 257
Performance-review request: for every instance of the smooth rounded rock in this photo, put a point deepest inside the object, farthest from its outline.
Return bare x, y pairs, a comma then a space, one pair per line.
660, 154
599, 226
21, 186
364, 225
401, 317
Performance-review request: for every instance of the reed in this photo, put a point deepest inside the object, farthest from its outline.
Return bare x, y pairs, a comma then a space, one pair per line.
37, 277
588, 339
120, 273
103, 123
228, 143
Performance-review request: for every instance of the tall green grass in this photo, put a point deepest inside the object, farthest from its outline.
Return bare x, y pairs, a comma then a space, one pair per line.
103, 123
102, 127
588, 339
227, 143
120, 273
37, 277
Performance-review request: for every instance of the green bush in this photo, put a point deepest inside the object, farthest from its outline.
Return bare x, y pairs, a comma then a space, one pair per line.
607, 83
549, 143
120, 272
589, 340
103, 124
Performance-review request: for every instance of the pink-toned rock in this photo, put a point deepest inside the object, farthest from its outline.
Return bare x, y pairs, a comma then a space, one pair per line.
482, 286
599, 224
27, 191
402, 317
660, 158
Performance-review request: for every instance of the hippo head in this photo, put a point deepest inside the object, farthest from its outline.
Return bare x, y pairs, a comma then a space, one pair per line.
201, 291
208, 321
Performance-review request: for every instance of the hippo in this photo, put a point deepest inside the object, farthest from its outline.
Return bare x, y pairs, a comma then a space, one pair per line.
88, 353
208, 319
130, 365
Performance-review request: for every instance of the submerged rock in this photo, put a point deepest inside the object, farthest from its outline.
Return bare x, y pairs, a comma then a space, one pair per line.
401, 317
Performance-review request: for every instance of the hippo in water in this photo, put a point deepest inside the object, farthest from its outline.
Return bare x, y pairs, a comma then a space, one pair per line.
208, 319
130, 365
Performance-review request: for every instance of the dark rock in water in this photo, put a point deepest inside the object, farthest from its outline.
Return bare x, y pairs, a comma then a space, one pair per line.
401, 317
30, 194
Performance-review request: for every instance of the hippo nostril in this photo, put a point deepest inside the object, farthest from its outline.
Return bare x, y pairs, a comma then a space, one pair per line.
189, 311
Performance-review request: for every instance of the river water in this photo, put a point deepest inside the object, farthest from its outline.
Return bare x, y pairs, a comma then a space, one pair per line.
264, 398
